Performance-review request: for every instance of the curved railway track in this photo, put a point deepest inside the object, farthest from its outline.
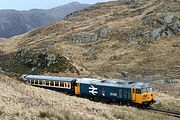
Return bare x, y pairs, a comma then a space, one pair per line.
168, 113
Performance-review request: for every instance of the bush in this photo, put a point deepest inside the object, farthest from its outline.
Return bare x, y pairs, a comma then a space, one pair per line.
1, 112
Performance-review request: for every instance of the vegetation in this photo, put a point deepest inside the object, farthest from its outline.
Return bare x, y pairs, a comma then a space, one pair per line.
26, 61
28, 102
118, 53
126, 29
1, 112
62, 116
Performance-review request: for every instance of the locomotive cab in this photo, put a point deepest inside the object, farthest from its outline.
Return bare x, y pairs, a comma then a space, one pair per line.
143, 96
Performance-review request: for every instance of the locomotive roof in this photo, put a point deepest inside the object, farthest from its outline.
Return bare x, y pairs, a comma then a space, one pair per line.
113, 83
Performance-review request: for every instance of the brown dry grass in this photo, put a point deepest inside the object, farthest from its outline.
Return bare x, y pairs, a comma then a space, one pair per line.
111, 55
21, 101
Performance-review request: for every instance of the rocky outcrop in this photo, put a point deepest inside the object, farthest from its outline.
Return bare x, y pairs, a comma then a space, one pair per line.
87, 38
170, 81
156, 25
178, 1
25, 61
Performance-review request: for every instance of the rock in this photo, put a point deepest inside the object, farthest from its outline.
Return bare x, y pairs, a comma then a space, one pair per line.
146, 38
94, 37
124, 73
86, 38
170, 81
156, 33
176, 27
167, 33
50, 59
168, 18
130, 39
178, 1
104, 32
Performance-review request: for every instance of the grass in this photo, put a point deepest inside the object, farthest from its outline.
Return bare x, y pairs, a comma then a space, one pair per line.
137, 60
1, 112
38, 104
64, 115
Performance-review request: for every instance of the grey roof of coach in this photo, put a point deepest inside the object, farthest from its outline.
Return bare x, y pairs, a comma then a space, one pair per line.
41, 77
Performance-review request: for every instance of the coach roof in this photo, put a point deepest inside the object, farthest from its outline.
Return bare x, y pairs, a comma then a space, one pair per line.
41, 77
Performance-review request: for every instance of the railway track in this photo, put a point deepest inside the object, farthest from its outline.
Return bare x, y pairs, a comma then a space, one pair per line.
168, 113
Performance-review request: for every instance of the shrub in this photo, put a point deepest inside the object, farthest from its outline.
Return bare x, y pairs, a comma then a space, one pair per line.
1, 112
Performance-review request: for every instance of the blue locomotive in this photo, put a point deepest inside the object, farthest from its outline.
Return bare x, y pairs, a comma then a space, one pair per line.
114, 90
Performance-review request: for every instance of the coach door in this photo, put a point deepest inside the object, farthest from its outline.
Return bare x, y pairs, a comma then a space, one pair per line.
133, 91
77, 88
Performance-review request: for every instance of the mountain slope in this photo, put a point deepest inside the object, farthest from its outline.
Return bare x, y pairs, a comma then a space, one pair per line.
14, 22
21, 101
134, 39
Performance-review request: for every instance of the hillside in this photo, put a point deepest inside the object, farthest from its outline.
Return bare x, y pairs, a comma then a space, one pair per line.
128, 39
134, 39
21, 101
14, 22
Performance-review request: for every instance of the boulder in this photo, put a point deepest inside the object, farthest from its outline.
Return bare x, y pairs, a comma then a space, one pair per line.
51, 58
86, 38
156, 33
176, 27
124, 73
167, 33
178, 1
168, 18
104, 32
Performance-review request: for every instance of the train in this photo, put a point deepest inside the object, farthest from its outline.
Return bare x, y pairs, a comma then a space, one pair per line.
121, 91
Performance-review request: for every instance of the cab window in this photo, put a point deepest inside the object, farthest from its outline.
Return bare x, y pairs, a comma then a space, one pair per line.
144, 90
138, 91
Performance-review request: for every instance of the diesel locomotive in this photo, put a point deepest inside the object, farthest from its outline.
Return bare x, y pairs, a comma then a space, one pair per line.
130, 92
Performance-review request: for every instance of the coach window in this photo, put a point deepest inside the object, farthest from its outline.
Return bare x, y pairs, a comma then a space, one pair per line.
47, 83
66, 85
35, 82
32, 81
51, 83
40, 82
43, 82
61, 84
69, 85
56, 84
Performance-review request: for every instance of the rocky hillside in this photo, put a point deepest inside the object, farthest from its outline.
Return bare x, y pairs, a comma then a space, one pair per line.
134, 39
14, 22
